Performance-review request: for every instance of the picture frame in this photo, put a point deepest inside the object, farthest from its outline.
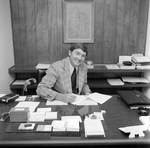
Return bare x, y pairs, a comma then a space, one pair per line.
78, 21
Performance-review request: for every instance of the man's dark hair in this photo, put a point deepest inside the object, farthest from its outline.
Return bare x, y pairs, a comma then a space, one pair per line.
81, 46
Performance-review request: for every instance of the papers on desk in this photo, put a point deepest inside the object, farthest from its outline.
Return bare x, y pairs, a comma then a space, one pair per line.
93, 127
42, 66
115, 82
37, 117
134, 130
19, 82
31, 105
134, 79
146, 121
44, 128
67, 123
112, 66
91, 99
96, 97
55, 102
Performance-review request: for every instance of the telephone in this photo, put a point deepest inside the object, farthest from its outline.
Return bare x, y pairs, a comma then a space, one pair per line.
29, 82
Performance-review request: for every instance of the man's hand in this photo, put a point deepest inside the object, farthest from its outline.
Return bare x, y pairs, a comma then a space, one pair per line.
67, 98
70, 98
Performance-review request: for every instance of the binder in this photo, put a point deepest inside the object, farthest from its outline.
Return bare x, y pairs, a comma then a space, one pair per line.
134, 99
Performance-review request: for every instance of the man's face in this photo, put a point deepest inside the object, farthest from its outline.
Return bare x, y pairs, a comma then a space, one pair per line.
77, 56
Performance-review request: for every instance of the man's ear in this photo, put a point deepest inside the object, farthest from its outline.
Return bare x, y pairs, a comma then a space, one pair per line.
69, 53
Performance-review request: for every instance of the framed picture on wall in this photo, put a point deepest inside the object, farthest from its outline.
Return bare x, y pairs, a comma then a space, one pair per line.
78, 19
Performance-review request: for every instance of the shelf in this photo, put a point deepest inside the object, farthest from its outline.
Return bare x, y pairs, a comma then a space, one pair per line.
103, 69
102, 83
23, 69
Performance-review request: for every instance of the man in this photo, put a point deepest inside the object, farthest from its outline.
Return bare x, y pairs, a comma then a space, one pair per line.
60, 79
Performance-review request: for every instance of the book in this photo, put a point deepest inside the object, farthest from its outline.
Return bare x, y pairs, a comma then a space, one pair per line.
9, 98
134, 99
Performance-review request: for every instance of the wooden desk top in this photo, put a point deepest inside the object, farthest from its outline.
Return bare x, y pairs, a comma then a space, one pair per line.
117, 115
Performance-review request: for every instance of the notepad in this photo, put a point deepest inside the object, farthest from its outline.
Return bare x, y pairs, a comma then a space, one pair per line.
93, 127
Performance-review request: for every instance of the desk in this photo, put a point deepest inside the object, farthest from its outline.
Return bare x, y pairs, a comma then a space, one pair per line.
117, 115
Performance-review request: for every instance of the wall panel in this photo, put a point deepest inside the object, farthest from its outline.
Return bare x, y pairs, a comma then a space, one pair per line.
119, 29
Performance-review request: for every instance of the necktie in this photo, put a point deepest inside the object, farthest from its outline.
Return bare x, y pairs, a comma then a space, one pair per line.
73, 81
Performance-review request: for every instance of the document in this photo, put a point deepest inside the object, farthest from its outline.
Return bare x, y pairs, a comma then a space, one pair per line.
42, 66
115, 82
93, 127
112, 66
58, 125
87, 102
50, 115
31, 105
146, 121
96, 97
44, 128
134, 130
55, 102
134, 79
37, 117
48, 109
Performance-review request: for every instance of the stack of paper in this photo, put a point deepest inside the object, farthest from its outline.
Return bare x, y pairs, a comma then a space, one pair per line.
96, 97
50, 115
58, 125
72, 123
37, 117
42, 66
93, 127
31, 105
115, 82
134, 79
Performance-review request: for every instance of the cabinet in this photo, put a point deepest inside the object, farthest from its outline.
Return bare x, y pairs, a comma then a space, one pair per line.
97, 79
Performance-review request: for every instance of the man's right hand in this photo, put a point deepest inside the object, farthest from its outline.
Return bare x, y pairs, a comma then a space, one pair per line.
69, 98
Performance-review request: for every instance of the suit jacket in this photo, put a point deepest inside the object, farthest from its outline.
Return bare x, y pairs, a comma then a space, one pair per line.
58, 80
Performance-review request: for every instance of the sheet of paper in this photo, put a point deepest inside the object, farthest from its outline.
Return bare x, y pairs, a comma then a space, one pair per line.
66, 118
124, 58
55, 102
1, 95
112, 66
99, 98
79, 99
48, 109
93, 127
37, 117
21, 98
19, 82
87, 102
42, 66
50, 115
115, 82
134, 79
146, 121
32, 105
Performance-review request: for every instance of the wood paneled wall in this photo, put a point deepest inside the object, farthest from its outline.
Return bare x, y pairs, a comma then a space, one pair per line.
120, 28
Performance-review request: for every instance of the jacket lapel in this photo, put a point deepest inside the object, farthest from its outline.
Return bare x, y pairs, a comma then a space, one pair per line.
66, 76
80, 77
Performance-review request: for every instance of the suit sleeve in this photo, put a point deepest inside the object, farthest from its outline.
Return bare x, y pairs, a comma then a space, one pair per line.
85, 89
44, 88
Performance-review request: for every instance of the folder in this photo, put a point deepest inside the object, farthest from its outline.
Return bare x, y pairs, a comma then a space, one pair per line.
134, 99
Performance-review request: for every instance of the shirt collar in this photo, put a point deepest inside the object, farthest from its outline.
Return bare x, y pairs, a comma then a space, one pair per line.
71, 67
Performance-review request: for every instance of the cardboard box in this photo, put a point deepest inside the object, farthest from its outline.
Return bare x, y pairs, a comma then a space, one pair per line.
19, 114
